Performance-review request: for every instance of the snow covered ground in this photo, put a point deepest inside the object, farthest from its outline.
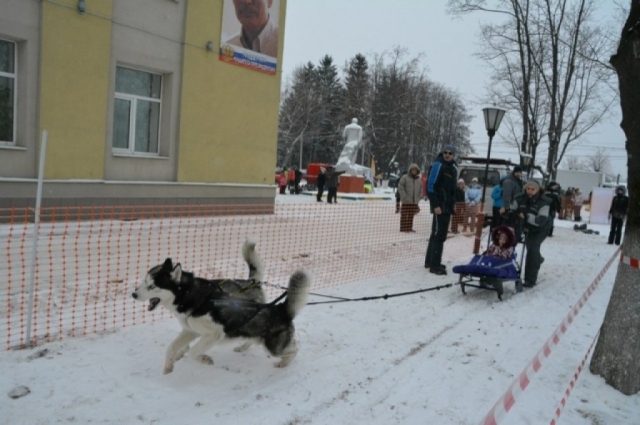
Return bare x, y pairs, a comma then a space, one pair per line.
437, 357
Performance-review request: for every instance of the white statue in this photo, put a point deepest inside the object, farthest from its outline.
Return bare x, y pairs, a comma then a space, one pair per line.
352, 135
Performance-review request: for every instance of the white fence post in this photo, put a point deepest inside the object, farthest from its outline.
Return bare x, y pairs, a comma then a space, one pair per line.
34, 247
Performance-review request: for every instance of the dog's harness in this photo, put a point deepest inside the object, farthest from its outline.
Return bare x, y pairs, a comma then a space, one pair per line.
252, 285
235, 301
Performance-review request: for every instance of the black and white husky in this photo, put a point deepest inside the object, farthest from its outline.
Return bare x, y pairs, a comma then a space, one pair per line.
214, 309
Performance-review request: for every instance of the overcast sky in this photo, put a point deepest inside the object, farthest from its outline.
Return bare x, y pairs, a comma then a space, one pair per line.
342, 29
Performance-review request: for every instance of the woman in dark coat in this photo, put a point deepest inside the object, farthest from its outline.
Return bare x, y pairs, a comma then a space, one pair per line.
533, 209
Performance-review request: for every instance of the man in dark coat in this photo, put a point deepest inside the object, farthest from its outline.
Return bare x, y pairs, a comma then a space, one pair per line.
617, 214
297, 179
320, 182
553, 192
441, 190
532, 209
511, 187
332, 177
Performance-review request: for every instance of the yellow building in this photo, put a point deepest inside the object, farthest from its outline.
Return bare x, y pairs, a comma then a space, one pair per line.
141, 101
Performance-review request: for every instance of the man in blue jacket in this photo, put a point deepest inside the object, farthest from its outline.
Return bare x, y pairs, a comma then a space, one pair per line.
441, 189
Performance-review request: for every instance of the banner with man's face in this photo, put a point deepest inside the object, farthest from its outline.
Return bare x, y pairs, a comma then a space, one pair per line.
250, 34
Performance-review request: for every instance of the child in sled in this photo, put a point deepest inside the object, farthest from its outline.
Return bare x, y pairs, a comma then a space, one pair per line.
502, 245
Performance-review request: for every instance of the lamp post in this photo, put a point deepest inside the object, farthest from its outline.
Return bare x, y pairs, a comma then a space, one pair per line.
526, 160
492, 119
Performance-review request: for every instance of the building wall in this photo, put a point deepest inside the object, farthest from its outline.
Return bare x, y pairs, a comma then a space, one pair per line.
229, 116
74, 75
218, 121
20, 23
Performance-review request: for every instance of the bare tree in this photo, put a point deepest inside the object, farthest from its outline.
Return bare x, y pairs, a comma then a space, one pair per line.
599, 161
574, 163
615, 357
546, 61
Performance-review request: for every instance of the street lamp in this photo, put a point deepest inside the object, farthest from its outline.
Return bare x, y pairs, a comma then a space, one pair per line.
492, 118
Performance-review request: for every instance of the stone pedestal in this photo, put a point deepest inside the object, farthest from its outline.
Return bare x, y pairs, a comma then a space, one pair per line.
351, 184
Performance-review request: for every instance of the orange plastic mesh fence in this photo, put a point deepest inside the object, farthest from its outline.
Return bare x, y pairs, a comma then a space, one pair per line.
90, 259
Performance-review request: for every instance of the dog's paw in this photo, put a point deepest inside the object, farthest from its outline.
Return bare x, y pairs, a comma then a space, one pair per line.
242, 348
204, 359
168, 369
283, 363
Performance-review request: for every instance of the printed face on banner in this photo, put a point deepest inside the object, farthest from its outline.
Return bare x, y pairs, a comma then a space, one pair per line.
250, 34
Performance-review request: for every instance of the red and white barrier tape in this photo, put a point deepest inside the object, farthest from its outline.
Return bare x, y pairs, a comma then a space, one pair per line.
567, 392
506, 402
633, 262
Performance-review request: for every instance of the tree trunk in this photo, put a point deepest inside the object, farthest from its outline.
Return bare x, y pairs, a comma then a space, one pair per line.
616, 357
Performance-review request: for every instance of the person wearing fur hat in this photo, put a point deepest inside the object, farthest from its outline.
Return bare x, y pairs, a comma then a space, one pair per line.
410, 189
532, 209
441, 190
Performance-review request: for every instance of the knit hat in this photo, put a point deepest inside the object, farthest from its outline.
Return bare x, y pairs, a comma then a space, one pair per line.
532, 183
517, 169
449, 148
475, 179
461, 181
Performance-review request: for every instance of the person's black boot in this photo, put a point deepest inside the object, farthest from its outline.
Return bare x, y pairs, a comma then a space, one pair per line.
438, 270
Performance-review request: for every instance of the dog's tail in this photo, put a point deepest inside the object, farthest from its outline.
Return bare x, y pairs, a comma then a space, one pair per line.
297, 293
256, 271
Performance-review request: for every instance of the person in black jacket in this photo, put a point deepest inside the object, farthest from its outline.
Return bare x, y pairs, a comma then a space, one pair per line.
617, 214
533, 210
320, 181
297, 179
441, 190
332, 179
553, 192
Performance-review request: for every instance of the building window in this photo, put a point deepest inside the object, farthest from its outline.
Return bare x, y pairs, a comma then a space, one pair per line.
136, 112
7, 91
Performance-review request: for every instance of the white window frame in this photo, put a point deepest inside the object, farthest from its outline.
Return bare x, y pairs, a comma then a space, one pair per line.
133, 99
13, 75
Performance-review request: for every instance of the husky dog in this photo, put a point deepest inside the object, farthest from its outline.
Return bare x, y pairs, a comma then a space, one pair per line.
207, 311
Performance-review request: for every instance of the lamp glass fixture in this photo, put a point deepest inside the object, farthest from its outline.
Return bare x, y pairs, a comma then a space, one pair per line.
82, 7
526, 159
492, 118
